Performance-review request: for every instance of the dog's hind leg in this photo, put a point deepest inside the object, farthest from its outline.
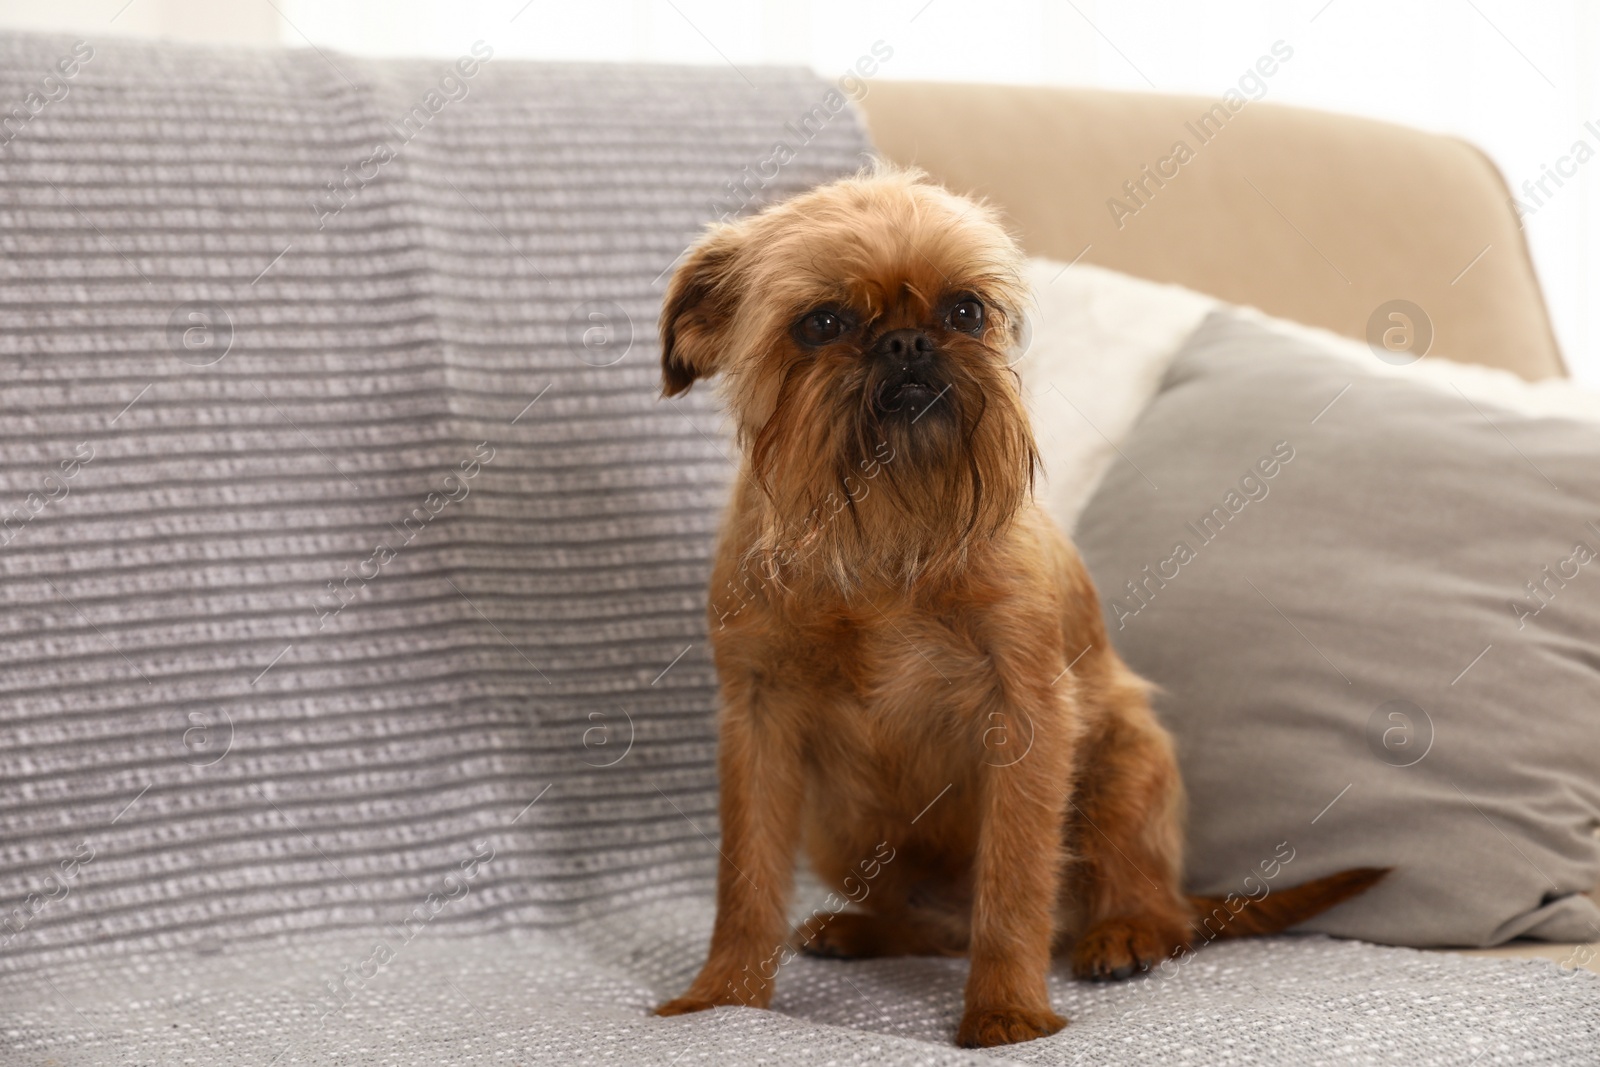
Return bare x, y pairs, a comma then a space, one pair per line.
896, 932
1125, 832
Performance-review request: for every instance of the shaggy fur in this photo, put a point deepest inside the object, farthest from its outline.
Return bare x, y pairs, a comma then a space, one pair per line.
916, 684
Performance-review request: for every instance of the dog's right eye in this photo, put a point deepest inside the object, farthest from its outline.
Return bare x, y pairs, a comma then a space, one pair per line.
819, 327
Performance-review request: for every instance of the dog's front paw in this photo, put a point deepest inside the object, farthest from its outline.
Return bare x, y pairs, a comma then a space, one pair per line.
684, 1005
726, 995
987, 1027
1113, 949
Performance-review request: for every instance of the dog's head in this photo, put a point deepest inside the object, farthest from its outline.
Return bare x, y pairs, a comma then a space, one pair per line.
863, 333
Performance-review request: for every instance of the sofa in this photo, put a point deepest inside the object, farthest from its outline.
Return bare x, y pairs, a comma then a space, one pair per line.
357, 706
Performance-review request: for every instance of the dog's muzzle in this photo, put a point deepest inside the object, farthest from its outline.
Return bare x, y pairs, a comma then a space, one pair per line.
911, 383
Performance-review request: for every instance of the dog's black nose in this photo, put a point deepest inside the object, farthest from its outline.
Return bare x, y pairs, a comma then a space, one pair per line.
908, 345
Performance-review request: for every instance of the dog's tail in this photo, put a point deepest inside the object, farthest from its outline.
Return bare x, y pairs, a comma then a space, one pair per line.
1281, 908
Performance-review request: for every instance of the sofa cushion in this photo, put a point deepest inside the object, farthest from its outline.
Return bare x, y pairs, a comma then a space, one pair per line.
582, 996
1370, 604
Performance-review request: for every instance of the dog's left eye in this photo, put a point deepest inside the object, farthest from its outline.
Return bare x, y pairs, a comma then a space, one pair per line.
967, 316
819, 327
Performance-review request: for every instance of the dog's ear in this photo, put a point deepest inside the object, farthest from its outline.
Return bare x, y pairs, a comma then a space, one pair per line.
698, 306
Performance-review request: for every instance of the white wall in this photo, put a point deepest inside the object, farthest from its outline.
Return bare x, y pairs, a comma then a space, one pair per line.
1518, 77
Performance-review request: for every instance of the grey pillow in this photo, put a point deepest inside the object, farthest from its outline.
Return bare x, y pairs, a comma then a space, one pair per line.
1373, 609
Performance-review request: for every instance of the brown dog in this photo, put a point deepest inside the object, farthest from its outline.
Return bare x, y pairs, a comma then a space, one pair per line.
916, 682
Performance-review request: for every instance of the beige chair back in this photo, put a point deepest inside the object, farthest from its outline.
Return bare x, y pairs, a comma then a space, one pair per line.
1325, 219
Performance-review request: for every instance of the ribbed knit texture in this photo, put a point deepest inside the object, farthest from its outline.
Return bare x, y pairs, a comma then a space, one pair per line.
536, 616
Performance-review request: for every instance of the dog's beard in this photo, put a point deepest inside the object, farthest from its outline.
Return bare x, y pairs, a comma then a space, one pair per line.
862, 489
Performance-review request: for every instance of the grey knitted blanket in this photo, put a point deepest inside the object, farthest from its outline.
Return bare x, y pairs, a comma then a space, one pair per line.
354, 698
